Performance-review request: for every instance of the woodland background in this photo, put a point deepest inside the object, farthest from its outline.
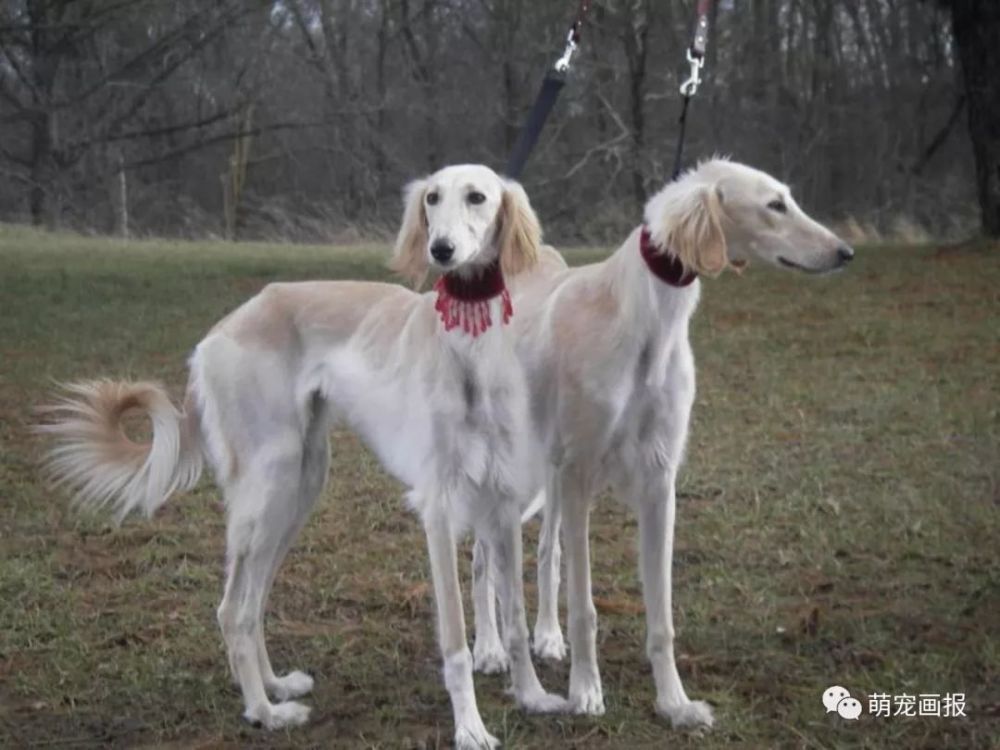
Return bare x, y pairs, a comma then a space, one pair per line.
302, 119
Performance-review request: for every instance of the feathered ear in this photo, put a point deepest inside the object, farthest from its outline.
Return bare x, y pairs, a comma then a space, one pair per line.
409, 257
519, 232
696, 234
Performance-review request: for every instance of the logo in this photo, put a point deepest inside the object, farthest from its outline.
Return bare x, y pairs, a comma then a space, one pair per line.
838, 699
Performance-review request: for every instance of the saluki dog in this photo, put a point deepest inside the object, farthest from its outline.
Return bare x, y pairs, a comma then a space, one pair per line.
432, 384
606, 351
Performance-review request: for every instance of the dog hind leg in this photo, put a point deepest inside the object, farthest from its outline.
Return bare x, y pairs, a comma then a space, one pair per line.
260, 519
488, 652
548, 641
506, 548
315, 469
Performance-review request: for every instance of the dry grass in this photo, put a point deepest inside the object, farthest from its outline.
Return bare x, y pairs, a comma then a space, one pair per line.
838, 522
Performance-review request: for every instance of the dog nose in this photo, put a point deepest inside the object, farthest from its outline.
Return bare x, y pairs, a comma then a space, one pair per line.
845, 253
442, 250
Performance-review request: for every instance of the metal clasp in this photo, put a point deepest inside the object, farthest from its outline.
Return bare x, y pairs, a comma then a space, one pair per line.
690, 86
562, 64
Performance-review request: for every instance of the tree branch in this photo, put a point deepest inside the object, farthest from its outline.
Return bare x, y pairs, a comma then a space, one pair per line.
223, 138
940, 138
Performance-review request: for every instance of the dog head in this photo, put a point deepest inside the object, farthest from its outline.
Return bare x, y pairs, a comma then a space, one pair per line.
724, 214
462, 218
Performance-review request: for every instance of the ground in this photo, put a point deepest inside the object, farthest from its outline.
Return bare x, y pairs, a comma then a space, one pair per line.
839, 515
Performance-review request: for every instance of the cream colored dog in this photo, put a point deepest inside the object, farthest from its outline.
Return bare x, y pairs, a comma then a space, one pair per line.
606, 350
431, 382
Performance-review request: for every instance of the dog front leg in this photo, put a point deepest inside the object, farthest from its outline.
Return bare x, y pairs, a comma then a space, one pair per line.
470, 732
657, 509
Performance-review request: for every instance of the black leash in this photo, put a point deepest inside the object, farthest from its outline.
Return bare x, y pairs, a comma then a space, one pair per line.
554, 80
696, 59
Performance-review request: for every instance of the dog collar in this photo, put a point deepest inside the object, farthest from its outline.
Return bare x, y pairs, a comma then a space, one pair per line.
465, 302
663, 264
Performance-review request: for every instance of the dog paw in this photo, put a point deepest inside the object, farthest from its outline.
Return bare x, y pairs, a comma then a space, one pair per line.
588, 700
279, 715
540, 702
689, 715
490, 659
292, 685
549, 645
471, 737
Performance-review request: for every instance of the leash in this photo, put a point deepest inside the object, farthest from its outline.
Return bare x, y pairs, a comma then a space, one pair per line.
696, 60
552, 84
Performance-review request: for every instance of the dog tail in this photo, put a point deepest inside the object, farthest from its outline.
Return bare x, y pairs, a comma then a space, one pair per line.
104, 467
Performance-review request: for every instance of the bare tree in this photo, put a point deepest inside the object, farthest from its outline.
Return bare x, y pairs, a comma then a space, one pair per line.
77, 78
977, 33
854, 101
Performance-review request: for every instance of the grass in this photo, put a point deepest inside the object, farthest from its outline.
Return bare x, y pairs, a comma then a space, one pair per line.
838, 523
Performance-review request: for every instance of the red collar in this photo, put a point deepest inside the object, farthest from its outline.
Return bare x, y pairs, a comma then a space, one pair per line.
465, 301
664, 265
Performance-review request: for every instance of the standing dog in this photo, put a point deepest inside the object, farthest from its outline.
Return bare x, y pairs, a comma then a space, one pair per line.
606, 350
432, 384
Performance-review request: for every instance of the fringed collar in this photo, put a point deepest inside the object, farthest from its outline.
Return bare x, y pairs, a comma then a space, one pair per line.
663, 264
465, 301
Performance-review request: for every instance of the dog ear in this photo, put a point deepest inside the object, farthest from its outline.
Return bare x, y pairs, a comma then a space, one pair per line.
409, 257
519, 233
697, 237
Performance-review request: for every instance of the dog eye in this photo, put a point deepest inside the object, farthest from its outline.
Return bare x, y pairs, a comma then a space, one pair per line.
778, 205
475, 198
432, 199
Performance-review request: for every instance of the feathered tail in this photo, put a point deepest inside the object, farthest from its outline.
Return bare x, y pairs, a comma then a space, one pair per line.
92, 455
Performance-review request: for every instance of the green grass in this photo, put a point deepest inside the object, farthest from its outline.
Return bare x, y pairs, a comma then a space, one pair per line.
839, 518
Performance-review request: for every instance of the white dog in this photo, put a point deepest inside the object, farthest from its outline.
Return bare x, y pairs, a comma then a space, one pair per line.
430, 381
606, 350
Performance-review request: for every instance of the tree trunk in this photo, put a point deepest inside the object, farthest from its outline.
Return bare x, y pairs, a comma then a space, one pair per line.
976, 26
635, 36
45, 65
381, 90
41, 172
121, 200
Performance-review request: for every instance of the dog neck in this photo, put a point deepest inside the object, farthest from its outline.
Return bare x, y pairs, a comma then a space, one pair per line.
645, 304
663, 264
464, 301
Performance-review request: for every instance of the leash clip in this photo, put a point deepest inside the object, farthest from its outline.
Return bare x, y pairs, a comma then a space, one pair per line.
562, 64
690, 86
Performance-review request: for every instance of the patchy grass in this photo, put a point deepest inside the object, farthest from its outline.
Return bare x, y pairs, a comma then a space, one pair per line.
839, 516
